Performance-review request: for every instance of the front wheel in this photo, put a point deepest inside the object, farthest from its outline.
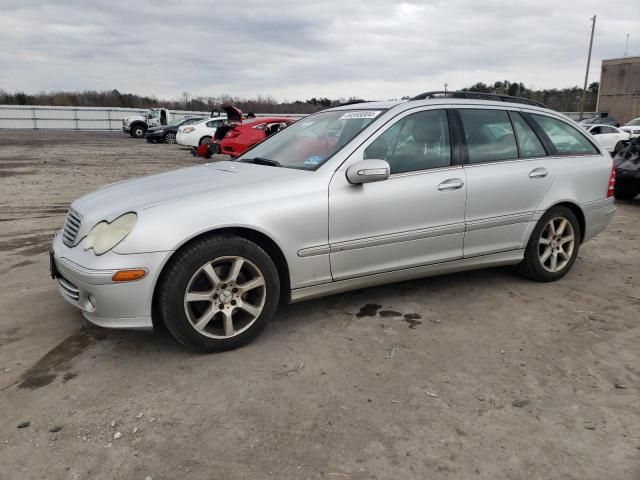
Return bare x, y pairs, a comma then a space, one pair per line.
138, 131
553, 246
218, 293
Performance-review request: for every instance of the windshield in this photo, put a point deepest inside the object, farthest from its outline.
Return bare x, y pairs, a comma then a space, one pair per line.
634, 123
311, 141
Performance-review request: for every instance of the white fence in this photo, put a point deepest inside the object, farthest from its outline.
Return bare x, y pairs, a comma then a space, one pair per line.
77, 118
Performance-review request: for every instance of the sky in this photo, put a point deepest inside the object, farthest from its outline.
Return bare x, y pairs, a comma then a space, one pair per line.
373, 49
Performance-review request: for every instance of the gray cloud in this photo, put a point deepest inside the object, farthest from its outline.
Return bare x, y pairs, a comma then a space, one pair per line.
292, 49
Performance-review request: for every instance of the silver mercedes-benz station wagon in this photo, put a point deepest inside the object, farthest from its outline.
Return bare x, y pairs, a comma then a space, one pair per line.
349, 197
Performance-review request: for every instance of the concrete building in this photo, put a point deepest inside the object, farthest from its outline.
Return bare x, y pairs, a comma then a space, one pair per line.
620, 88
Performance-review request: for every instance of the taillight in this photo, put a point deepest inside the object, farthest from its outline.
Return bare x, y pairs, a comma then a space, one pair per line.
612, 182
232, 134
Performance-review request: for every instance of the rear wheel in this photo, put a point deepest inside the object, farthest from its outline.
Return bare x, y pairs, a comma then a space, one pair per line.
553, 246
205, 141
218, 293
170, 138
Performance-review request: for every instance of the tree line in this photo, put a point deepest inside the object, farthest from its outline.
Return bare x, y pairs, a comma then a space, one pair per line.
113, 98
564, 100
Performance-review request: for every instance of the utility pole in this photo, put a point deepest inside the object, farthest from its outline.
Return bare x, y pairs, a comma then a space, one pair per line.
586, 75
445, 87
626, 48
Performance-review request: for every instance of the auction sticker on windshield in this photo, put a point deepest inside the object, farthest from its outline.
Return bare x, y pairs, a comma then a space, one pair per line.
360, 114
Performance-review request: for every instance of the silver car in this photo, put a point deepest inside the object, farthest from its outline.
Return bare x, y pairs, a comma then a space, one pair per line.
347, 198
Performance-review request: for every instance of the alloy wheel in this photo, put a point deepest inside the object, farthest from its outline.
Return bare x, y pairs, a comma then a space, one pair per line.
225, 297
556, 244
170, 138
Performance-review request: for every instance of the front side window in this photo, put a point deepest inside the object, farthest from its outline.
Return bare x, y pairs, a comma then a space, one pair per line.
311, 141
605, 129
566, 139
530, 145
417, 142
489, 135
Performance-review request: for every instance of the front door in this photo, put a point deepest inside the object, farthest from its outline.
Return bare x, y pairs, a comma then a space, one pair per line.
415, 217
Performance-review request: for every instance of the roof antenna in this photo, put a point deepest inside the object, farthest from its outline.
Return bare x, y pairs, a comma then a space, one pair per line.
626, 49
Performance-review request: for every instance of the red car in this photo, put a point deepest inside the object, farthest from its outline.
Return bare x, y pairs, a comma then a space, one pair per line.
239, 135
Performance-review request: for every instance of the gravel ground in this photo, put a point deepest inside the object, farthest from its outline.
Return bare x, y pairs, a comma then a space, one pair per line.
499, 377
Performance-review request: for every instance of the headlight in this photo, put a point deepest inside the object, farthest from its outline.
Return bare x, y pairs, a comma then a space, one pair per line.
188, 130
104, 236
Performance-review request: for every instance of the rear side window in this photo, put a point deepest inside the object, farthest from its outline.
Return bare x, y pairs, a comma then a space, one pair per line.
489, 135
530, 145
565, 138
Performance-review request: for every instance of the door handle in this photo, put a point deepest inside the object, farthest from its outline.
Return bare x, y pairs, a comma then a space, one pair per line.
451, 184
538, 173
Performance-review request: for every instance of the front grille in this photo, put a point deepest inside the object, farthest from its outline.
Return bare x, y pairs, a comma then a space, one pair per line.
71, 227
69, 289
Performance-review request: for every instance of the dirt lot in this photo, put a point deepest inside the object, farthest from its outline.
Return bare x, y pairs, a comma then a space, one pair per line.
336, 388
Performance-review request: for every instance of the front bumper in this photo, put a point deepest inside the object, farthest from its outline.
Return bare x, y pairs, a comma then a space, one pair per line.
157, 136
187, 139
126, 128
84, 280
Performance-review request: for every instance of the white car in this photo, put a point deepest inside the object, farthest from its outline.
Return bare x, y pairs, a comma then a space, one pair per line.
611, 138
632, 128
199, 133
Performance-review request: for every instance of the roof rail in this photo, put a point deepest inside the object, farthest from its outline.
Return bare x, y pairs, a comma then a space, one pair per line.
478, 96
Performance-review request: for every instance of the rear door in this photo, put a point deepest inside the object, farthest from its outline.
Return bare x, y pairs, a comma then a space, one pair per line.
508, 173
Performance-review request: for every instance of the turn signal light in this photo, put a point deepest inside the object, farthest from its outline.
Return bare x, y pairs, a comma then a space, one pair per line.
129, 275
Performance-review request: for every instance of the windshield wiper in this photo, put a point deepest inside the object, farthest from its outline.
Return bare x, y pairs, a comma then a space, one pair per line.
262, 161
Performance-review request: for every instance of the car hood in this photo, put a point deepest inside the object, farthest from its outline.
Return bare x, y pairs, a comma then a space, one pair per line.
233, 113
111, 201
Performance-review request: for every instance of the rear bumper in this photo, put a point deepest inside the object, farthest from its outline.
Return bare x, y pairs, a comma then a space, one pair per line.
597, 216
103, 302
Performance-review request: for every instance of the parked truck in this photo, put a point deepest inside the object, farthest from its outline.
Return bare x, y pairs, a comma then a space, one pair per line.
137, 125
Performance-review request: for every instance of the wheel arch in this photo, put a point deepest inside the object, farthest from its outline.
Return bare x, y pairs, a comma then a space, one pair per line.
577, 211
259, 238
138, 123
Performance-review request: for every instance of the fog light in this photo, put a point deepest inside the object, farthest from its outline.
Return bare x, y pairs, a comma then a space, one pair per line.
129, 275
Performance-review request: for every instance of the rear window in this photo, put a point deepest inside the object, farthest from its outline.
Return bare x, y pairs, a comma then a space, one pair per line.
489, 135
567, 139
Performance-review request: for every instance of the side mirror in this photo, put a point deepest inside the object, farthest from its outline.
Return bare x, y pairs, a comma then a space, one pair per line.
367, 171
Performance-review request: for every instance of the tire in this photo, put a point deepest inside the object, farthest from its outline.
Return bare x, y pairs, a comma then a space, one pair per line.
205, 141
625, 194
545, 244
138, 131
170, 138
199, 288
